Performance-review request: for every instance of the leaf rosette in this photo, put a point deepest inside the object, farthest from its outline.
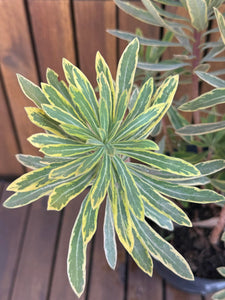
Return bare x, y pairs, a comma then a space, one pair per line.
88, 143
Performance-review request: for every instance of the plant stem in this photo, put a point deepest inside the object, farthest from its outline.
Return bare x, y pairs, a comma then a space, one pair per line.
218, 229
195, 63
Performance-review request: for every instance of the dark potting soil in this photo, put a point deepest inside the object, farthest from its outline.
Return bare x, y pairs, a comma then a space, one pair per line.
193, 243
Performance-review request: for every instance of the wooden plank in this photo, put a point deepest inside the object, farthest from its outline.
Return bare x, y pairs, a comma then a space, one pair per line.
174, 294
92, 18
53, 33
16, 56
141, 286
9, 166
60, 288
12, 223
32, 278
106, 283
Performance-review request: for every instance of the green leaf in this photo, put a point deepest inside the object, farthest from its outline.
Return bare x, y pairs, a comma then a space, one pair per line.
143, 100
43, 139
101, 66
20, 199
32, 91
85, 108
121, 215
184, 193
33, 179
135, 125
40, 119
162, 204
206, 100
104, 115
110, 248
140, 254
68, 68
142, 40
130, 189
81, 165
76, 259
56, 98
221, 270
198, 129
198, 13
211, 79
89, 220
63, 117
219, 184
63, 150
136, 145
126, 69
160, 67
78, 132
30, 161
105, 93
170, 164
221, 23
157, 217
162, 250
65, 192
101, 183
60, 85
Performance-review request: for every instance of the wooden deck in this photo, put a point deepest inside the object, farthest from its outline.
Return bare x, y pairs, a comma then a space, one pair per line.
33, 250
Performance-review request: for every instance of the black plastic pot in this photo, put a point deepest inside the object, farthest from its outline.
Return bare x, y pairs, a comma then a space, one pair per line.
200, 286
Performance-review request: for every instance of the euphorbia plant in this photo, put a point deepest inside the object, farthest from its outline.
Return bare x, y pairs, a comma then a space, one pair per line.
88, 143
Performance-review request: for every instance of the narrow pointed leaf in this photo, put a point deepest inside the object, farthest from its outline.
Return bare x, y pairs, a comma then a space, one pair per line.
32, 91
211, 79
43, 139
198, 13
162, 204
126, 69
206, 100
131, 191
64, 193
160, 67
136, 145
89, 220
60, 85
164, 162
198, 129
85, 108
76, 259
100, 186
140, 254
105, 93
78, 132
40, 119
121, 215
162, 250
110, 248
30, 161
67, 150
78, 166
221, 23
184, 193
101, 66
104, 115
57, 99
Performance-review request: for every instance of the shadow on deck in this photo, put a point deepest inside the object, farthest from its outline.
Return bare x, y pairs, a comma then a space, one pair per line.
33, 251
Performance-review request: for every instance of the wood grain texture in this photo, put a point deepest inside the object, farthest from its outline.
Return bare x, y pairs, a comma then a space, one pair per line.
53, 33
60, 287
9, 148
16, 56
141, 286
32, 278
106, 283
11, 233
92, 18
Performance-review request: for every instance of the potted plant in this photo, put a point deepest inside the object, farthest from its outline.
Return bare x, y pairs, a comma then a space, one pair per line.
203, 127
